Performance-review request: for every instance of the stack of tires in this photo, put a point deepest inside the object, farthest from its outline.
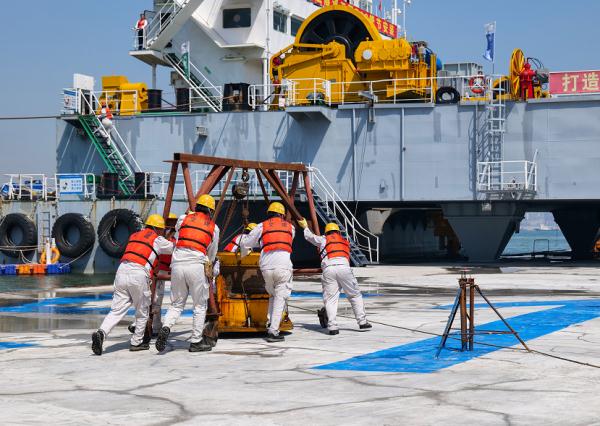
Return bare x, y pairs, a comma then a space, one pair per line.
73, 233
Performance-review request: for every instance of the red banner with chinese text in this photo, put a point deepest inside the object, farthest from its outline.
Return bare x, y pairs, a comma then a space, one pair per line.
383, 26
574, 82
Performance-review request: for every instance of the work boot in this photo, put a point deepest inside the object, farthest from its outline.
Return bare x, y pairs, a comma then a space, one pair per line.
144, 346
131, 328
210, 340
201, 346
272, 338
334, 332
161, 340
97, 341
365, 326
323, 319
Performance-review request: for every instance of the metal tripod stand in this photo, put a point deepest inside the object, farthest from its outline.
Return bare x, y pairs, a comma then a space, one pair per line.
466, 289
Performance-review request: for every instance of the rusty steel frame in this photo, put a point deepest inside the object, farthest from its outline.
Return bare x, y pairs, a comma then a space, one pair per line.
221, 166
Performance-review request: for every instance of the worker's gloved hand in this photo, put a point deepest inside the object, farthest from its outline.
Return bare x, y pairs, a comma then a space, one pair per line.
216, 268
302, 223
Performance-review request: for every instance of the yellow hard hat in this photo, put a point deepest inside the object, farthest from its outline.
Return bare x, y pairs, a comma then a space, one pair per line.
156, 221
206, 200
250, 226
332, 227
172, 216
276, 207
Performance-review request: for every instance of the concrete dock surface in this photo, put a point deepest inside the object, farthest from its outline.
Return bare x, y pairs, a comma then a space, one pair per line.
387, 375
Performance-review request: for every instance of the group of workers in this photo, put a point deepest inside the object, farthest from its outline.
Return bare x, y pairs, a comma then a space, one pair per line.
187, 254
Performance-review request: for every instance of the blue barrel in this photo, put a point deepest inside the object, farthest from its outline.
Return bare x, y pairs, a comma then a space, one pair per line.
9, 269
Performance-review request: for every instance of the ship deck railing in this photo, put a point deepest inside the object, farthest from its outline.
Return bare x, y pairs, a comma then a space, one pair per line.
42, 187
319, 91
507, 176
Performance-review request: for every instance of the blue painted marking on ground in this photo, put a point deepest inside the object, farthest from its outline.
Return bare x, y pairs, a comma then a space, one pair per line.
73, 305
419, 357
15, 345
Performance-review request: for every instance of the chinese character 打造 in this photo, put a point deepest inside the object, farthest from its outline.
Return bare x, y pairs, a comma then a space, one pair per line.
590, 82
569, 82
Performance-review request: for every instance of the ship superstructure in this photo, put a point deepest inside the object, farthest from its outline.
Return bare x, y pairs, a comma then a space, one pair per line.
415, 158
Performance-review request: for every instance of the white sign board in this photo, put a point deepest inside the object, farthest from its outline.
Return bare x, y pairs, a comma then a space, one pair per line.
70, 184
83, 82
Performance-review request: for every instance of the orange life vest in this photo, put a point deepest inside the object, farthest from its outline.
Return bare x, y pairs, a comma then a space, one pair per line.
141, 23
196, 232
234, 244
107, 112
164, 260
140, 248
335, 246
276, 235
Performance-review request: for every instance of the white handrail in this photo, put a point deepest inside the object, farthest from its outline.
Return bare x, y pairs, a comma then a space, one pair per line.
119, 139
158, 24
338, 208
214, 101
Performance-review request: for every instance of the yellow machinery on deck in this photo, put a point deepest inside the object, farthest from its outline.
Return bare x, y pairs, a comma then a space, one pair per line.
339, 56
241, 295
123, 97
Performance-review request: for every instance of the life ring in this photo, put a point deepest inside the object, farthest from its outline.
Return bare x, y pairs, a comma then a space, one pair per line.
114, 230
477, 84
74, 234
18, 235
55, 256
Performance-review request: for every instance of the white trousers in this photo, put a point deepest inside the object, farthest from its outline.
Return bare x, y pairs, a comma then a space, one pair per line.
159, 294
278, 283
186, 279
334, 278
131, 289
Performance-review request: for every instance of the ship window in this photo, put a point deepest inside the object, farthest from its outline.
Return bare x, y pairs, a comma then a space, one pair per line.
279, 22
236, 18
295, 25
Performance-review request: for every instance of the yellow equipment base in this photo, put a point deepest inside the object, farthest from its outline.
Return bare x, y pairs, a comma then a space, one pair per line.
241, 314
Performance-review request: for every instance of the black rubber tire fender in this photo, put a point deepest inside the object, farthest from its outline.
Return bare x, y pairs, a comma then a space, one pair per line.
454, 95
28, 229
112, 220
87, 236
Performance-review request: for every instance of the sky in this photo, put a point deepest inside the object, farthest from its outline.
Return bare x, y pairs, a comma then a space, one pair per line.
45, 42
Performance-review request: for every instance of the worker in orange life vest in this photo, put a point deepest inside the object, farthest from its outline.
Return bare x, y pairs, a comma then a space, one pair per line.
234, 244
132, 283
275, 236
335, 262
163, 274
197, 238
140, 28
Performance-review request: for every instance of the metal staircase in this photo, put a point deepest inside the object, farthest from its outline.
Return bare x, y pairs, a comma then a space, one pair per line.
167, 21
207, 93
364, 245
108, 143
109, 151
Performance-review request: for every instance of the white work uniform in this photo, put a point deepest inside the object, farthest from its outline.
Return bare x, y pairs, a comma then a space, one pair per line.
337, 275
188, 278
132, 288
276, 268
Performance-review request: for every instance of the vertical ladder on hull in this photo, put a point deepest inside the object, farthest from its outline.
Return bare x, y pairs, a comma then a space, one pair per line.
491, 147
44, 220
209, 94
364, 245
112, 157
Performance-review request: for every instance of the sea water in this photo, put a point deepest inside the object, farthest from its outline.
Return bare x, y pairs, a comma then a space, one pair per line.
529, 241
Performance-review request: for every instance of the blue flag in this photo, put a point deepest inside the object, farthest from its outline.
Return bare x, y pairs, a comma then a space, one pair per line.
490, 32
